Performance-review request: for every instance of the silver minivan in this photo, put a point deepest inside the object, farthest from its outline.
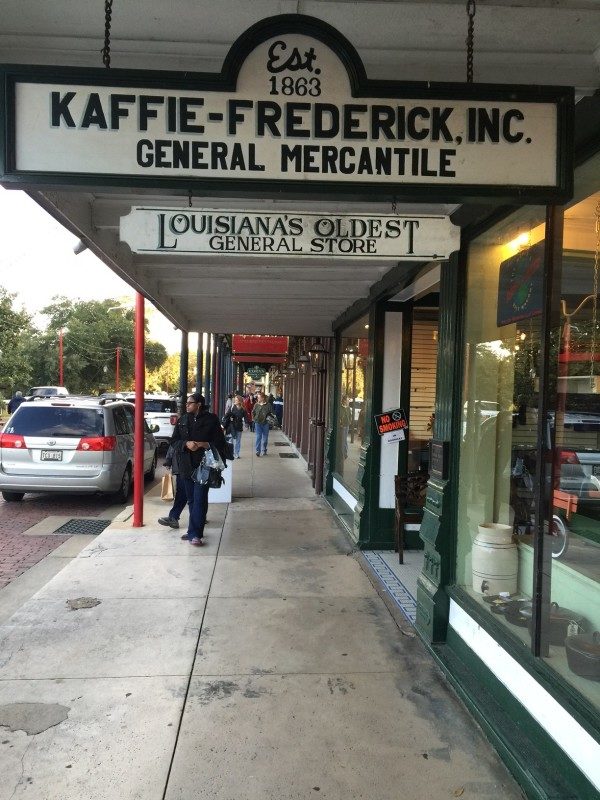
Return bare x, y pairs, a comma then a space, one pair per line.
71, 445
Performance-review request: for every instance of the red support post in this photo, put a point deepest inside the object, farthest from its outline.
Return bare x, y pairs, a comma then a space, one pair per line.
117, 369
138, 443
60, 357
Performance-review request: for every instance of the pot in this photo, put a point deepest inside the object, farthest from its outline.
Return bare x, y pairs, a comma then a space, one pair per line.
518, 612
583, 655
494, 559
559, 620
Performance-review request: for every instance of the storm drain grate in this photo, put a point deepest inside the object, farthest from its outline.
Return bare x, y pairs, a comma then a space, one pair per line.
78, 525
281, 444
288, 455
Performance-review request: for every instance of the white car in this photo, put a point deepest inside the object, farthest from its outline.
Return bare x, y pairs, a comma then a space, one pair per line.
160, 412
37, 392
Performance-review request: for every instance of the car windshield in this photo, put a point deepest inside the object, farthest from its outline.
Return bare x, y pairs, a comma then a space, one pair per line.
52, 421
43, 391
160, 406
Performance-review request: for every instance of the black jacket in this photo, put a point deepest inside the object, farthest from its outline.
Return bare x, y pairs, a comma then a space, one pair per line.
235, 417
203, 428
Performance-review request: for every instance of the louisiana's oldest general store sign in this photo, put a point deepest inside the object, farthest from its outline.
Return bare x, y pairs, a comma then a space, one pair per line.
291, 107
298, 234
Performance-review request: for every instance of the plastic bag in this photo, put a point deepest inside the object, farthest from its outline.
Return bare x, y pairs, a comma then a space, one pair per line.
212, 459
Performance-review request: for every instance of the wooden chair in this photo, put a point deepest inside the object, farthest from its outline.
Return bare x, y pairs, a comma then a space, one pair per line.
410, 492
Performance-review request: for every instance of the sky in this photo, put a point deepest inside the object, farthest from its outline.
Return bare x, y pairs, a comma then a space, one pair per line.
37, 262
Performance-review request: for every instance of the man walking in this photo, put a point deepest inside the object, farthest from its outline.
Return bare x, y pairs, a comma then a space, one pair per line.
196, 430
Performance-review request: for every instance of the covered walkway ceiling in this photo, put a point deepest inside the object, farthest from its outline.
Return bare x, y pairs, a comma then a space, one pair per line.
532, 42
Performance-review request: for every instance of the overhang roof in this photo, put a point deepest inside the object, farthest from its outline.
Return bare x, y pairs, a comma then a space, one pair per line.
538, 42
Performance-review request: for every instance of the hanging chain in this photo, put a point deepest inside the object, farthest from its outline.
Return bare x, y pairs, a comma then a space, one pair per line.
107, 21
470, 39
189, 198
394, 211
595, 296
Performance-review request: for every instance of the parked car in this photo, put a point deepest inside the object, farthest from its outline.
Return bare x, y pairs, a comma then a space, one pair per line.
37, 392
160, 412
73, 445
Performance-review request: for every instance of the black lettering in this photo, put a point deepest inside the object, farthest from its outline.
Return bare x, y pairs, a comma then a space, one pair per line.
198, 155
411, 224
329, 155
488, 124
321, 129
172, 114
186, 115
161, 146
439, 128
383, 161
291, 156
392, 229
445, 167
59, 108
233, 115
415, 114
161, 235
382, 119
94, 113
346, 166
293, 120
181, 154
237, 157
145, 156
310, 153
351, 122
116, 111
268, 115
509, 136
218, 154
145, 112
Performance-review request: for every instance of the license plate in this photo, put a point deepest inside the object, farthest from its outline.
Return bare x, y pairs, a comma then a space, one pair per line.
596, 469
51, 455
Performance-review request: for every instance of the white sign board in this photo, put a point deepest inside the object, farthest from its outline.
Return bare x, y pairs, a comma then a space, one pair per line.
278, 233
292, 112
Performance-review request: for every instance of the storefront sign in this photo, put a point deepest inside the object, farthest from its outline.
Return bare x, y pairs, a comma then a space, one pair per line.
520, 280
392, 425
440, 454
256, 373
277, 233
292, 107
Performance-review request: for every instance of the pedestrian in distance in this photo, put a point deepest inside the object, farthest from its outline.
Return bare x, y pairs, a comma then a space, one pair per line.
15, 401
260, 413
196, 430
233, 422
278, 408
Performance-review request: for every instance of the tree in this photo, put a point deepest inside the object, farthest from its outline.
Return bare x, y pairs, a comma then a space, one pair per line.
92, 331
16, 331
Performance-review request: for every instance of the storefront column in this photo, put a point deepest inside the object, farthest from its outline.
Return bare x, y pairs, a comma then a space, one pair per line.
138, 439
214, 388
199, 364
183, 369
207, 369
436, 529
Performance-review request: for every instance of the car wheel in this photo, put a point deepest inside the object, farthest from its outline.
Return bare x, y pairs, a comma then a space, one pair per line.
149, 476
13, 497
124, 491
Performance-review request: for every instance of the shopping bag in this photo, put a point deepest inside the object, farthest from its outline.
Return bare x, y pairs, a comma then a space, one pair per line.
167, 491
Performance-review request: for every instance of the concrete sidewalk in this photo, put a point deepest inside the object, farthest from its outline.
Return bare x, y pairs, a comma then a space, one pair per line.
262, 666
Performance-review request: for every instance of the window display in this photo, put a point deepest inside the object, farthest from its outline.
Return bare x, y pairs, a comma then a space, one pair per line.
351, 411
510, 455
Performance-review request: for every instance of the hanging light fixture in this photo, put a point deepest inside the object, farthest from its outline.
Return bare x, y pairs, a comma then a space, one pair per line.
317, 354
303, 362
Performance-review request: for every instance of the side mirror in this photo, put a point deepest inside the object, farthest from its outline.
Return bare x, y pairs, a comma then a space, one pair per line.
154, 428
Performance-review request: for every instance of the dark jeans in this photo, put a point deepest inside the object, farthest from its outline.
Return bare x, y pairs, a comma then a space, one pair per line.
180, 500
197, 497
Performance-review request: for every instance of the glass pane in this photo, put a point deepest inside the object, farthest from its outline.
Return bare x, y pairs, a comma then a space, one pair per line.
572, 608
498, 462
351, 413
37, 420
424, 347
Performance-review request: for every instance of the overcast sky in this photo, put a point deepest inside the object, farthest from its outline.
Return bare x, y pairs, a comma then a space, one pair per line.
37, 262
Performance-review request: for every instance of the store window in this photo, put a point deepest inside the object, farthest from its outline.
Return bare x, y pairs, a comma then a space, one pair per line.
350, 432
502, 457
423, 361
498, 448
